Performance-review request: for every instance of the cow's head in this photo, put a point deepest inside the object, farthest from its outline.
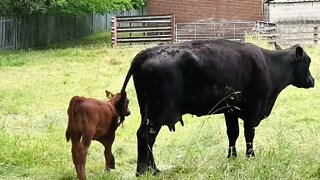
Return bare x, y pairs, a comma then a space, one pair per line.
121, 103
302, 77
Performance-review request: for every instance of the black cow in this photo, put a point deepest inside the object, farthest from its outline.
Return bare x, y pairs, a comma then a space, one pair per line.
240, 80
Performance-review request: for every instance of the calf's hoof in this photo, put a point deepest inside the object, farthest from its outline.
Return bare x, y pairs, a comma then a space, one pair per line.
112, 166
107, 169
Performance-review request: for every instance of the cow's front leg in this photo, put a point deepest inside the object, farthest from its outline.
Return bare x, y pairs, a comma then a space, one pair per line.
255, 107
233, 132
146, 135
249, 131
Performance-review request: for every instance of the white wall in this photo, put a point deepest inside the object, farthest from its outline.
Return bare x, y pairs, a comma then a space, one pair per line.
294, 11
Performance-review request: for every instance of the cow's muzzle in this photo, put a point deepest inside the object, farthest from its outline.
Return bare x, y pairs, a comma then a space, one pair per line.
127, 113
311, 82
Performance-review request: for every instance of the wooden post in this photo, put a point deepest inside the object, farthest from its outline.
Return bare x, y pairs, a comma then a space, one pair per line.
130, 25
195, 32
115, 32
16, 33
75, 27
234, 31
173, 26
315, 34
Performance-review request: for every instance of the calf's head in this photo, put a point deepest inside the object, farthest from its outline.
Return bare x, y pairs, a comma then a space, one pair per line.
302, 77
121, 103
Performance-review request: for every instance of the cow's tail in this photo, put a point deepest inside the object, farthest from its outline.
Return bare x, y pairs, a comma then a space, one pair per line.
135, 64
74, 102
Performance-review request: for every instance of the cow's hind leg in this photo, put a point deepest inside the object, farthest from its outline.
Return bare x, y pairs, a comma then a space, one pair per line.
233, 132
146, 135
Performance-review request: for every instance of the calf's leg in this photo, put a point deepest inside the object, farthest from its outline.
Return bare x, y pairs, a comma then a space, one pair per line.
75, 150
107, 143
82, 151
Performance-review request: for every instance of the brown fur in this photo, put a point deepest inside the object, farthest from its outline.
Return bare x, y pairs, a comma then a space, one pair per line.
91, 119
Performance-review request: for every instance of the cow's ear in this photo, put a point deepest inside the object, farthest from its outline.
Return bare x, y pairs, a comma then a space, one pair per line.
299, 52
109, 94
277, 46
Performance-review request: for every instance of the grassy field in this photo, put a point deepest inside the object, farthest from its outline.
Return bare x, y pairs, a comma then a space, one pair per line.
36, 86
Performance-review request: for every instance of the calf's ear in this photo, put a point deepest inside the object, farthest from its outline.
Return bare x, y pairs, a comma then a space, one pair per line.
109, 95
299, 52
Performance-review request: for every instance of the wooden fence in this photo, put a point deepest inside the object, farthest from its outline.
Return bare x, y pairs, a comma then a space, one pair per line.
8, 34
38, 30
142, 29
42, 30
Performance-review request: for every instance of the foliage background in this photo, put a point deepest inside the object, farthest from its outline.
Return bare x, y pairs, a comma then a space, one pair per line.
70, 7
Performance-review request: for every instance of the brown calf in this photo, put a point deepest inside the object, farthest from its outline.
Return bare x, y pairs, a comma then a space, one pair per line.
91, 119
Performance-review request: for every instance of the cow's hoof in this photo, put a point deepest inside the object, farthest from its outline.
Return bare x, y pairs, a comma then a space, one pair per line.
155, 171
250, 153
151, 170
232, 152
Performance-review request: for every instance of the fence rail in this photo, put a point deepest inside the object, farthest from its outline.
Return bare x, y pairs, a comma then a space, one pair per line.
232, 30
142, 29
285, 33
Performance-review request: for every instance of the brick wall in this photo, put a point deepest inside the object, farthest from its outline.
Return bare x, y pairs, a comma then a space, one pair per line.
195, 10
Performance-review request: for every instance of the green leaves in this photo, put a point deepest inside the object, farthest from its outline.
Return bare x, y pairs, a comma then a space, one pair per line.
74, 7
8, 7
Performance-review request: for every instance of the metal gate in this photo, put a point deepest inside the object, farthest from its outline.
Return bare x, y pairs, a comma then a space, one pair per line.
232, 30
142, 29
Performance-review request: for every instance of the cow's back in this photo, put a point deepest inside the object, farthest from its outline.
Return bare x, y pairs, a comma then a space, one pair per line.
195, 76
218, 62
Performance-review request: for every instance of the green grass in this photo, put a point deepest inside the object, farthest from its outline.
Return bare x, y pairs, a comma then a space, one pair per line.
36, 86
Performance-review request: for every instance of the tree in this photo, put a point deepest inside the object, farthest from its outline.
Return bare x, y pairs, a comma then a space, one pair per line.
22, 7
10, 7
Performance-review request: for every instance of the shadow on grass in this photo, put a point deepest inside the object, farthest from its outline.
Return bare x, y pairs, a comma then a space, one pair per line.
94, 39
67, 177
103, 38
12, 171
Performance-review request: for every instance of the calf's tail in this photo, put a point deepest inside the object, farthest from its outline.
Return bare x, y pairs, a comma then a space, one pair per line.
74, 102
